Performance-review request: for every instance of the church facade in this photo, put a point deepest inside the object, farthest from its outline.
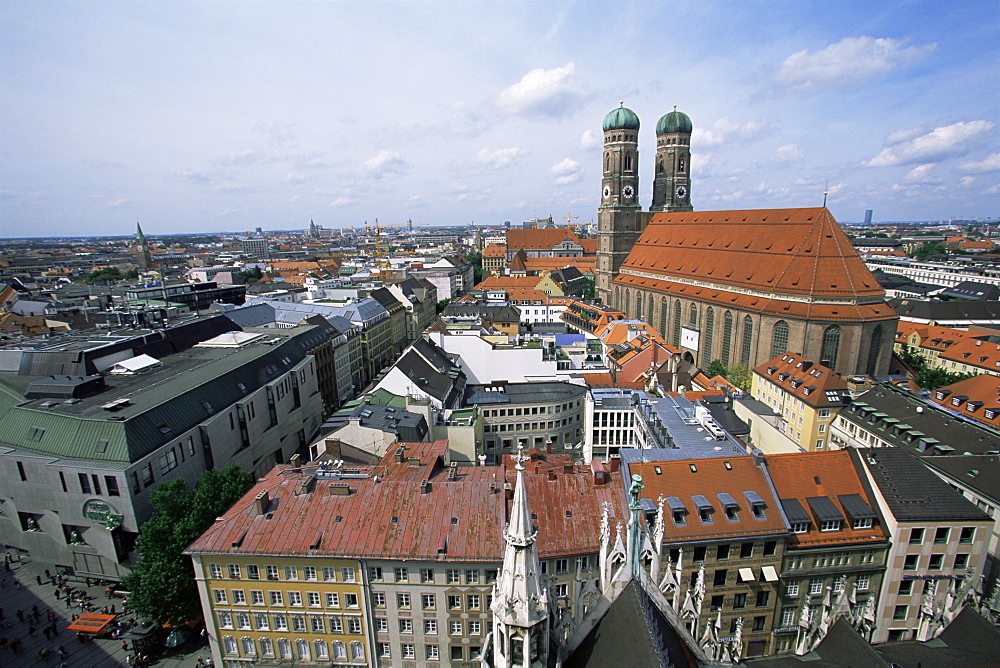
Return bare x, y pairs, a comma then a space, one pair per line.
742, 287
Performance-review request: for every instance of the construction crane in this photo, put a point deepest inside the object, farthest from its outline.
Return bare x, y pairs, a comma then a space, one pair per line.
569, 217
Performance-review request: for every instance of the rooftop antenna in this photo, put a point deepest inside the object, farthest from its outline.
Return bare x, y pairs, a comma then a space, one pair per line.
826, 191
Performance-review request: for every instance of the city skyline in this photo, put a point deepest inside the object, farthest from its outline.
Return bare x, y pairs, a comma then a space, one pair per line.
196, 117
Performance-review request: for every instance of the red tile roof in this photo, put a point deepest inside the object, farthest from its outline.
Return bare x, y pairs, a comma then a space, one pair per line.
804, 379
804, 475
976, 397
539, 238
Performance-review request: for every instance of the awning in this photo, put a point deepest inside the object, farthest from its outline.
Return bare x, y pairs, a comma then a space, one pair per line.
91, 622
746, 575
824, 509
770, 575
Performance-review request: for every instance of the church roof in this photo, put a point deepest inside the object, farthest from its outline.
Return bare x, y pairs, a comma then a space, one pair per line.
543, 238
752, 259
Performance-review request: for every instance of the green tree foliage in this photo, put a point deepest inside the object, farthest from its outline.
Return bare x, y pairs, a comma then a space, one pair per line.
162, 584
934, 378
715, 368
928, 250
476, 258
738, 374
442, 304
251, 275
106, 274
589, 291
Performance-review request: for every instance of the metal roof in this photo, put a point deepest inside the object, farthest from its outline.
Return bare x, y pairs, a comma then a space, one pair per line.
856, 507
824, 509
794, 511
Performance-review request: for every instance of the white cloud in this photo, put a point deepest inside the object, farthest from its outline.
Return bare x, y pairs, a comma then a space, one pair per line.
920, 173
340, 201
847, 63
723, 130
566, 172
500, 157
556, 92
386, 162
990, 163
590, 139
967, 181
944, 142
993, 190
789, 153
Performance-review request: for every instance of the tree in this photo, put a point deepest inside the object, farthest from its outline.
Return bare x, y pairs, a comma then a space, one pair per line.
476, 259
715, 368
442, 304
934, 378
588, 290
102, 275
739, 375
251, 275
927, 250
162, 584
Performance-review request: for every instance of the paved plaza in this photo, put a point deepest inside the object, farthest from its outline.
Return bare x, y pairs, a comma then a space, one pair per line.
20, 591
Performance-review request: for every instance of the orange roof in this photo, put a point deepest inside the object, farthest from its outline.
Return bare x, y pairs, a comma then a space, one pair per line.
805, 475
589, 246
708, 478
977, 398
509, 282
539, 238
812, 383
495, 250
790, 251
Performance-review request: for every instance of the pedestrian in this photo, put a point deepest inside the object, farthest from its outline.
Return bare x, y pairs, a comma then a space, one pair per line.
62, 652
47, 632
39, 579
57, 593
112, 610
20, 615
31, 630
124, 645
47, 574
200, 662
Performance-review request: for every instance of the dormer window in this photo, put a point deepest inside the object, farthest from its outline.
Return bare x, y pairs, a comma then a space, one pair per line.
800, 527
863, 523
830, 525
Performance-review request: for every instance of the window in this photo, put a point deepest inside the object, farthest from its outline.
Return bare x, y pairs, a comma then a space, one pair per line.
272, 572
788, 616
316, 623
337, 625
426, 575
936, 562
863, 523
475, 628
111, 482
746, 550
699, 553
313, 599
215, 571
383, 650
147, 475
816, 586
779, 340
351, 600
430, 626
378, 599
830, 525
473, 601
295, 598
716, 603
302, 647
455, 628
403, 600
863, 582
276, 598
941, 536
792, 589
221, 596
428, 601
347, 574
454, 602
899, 613
769, 548
225, 620
562, 565
720, 578
262, 621
339, 650
800, 527
910, 562
357, 651
408, 652
291, 573
453, 576
84, 482
967, 535
321, 651
257, 597
471, 577
831, 346
431, 652
266, 647
739, 601
298, 623
230, 643
758, 624
354, 625
562, 590
762, 598
239, 597
406, 625
280, 622
961, 561
401, 574
309, 572
722, 552
329, 574
381, 624
747, 341
253, 572
234, 571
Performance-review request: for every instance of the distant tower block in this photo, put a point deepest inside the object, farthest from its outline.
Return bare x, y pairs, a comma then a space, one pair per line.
868, 217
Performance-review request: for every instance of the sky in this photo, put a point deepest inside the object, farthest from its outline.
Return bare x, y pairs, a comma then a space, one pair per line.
226, 116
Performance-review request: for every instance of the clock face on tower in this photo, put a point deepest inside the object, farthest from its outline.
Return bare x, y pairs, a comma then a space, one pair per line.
628, 191
607, 192
681, 192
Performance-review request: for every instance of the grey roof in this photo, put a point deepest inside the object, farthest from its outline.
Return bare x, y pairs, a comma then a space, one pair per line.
823, 509
794, 511
533, 393
970, 640
700, 502
842, 647
252, 315
912, 492
973, 290
949, 311
856, 507
678, 417
979, 472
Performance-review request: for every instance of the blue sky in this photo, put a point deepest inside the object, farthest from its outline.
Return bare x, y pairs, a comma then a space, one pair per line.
212, 116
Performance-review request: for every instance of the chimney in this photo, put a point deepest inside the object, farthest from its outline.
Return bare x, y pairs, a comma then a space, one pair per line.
295, 460
333, 448
425, 486
261, 502
508, 491
493, 487
339, 489
548, 446
615, 461
401, 455
552, 474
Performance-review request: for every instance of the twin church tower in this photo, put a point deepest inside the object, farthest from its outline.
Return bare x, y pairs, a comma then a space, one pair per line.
620, 218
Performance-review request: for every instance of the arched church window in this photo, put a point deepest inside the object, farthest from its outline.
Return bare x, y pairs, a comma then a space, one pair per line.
607, 162
659, 166
779, 341
663, 318
638, 306
831, 346
680, 165
628, 162
747, 341
874, 351
727, 337
677, 324
693, 315
706, 340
